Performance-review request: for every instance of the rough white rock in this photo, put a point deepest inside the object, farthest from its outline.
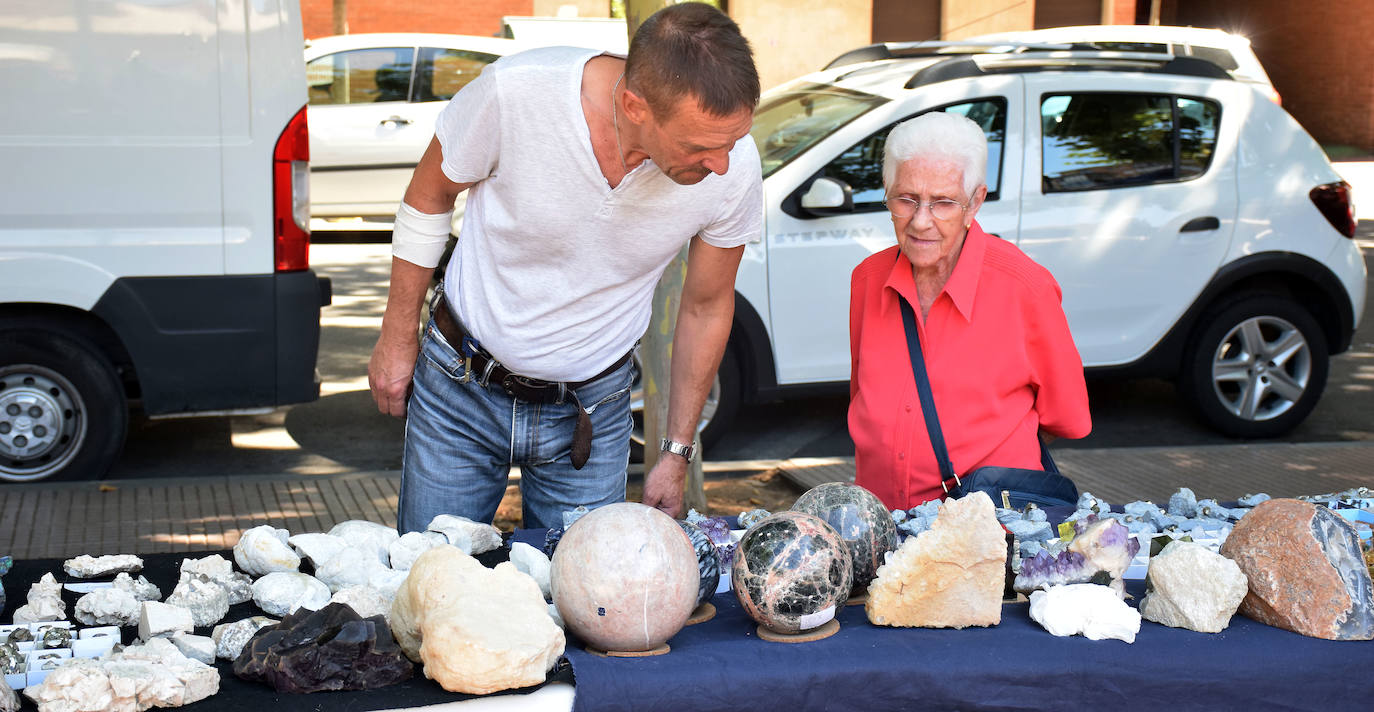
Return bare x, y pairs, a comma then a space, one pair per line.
87, 566
162, 620
407, 549
44, 602
9, 701
108, 606
142, 589
556, 616
1087, 609
195, 647
387, 581
317, 547
140, 677
533, 562
352, 566
471, 537
364, 600
1193, 587
368, 536
282, 592
231, 637
207, 601
237, 586
263, 550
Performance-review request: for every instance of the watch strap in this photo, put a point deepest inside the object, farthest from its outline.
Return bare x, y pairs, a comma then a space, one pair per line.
679, 449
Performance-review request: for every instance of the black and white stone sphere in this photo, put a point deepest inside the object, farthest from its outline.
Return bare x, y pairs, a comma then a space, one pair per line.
624, 577
708, 564
791, 571
861, 520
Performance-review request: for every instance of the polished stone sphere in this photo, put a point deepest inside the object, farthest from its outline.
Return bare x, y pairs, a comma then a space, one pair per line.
791, 571
708, 564
861, 520
625, 577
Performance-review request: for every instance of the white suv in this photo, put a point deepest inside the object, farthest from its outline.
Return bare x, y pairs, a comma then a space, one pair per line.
1196, 230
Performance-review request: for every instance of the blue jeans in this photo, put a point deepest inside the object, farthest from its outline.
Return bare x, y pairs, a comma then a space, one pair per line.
462, 438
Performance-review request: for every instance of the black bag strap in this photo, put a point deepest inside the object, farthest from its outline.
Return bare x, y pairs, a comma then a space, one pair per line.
918, 368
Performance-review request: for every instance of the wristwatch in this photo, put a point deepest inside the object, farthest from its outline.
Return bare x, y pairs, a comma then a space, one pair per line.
684, 451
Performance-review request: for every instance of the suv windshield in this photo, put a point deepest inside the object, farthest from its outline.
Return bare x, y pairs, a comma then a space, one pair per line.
788, 123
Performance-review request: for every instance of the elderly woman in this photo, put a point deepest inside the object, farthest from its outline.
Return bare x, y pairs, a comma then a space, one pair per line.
1003, 368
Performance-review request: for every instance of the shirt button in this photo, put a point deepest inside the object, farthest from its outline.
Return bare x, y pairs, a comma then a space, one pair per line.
901, 456
908, 408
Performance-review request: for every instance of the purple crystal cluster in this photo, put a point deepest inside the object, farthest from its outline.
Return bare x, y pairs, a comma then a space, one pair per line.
1099, 553
717, 529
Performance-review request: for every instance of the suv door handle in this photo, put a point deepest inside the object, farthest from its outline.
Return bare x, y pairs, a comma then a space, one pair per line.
398, 120
1201, 224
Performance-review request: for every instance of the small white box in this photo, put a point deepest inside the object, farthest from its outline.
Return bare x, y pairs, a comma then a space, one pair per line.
25, 646
93, 647
40, 626
104, 631
5, 630
37, 657
17, 680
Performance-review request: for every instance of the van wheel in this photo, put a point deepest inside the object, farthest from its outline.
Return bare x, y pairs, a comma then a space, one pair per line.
722, 403
1257, 367
62, 409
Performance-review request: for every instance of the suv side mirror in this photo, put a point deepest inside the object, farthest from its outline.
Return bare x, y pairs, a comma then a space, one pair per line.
828, 196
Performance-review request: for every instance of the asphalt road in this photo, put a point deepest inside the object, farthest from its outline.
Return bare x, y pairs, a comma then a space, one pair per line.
343, 432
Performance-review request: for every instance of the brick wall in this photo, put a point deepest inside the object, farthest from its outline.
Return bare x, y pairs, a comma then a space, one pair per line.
460, 17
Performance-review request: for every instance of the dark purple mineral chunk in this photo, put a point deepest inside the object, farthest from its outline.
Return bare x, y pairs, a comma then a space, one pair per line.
330, 649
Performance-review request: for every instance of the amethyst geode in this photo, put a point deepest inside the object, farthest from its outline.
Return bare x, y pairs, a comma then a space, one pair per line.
330, 649
1099, 553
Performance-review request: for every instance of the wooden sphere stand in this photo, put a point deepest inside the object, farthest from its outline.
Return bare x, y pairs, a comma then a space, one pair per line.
857, 599
822, 632
662, 649
705, 612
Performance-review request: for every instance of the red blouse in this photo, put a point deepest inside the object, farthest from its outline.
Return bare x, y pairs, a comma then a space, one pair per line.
1001, 362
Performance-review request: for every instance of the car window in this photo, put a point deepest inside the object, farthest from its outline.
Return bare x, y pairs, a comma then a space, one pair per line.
444, 71
360, 76
1101, 140
787, 124
861, 167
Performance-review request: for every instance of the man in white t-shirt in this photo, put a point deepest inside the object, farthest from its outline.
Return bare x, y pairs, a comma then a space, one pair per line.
586, 173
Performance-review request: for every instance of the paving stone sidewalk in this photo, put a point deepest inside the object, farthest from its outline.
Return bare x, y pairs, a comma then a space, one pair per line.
61, 520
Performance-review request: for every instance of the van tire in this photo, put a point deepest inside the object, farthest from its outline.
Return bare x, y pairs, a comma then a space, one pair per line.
60, 392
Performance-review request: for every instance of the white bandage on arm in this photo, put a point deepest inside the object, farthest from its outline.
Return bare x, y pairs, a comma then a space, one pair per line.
420, 238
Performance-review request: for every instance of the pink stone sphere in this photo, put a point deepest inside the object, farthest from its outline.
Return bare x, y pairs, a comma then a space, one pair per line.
624, 577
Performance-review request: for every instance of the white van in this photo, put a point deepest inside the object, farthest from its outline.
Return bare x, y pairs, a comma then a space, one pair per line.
154, 242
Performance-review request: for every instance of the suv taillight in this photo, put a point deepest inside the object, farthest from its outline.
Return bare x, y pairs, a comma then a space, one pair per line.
1333, 200
291, 196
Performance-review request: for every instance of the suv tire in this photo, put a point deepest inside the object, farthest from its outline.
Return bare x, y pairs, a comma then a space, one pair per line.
60, 393
1256, 367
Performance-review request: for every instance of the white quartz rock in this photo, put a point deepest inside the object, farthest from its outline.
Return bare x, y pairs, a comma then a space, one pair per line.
142, 589
317, 547
202, 596
263, 550
407, 549
387, 581
87, 566
1087, 609
368, 536
1193, 587
283, 592
231, 637
364, 600
556, 616
195, 647
352, 566
108, 606
161, 619
237, 586
533, 562
140, 677
44, 602
471, 537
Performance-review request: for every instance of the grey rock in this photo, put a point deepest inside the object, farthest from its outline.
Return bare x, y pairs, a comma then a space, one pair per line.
1030, 531
580, 511
471, 537
1192, 587
108, 606
1183, 503
237, 586
1087, 501
282, 592
1250, 500
262, 550
367, 536
1036, 514
1005, 515
1141, 509
899, 515
404, 551
87, 566
231, 637
195, 647
141, 588
206, 600
751, 517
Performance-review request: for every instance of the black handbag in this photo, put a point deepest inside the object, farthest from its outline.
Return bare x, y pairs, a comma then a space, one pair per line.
1007, 486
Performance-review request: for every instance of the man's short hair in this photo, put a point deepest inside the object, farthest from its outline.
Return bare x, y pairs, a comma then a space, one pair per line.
692, 49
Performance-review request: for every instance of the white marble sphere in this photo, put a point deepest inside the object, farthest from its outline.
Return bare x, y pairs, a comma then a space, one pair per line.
624, 578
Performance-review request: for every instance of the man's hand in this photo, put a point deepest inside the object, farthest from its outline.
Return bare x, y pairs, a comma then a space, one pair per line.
663, 484
389, 373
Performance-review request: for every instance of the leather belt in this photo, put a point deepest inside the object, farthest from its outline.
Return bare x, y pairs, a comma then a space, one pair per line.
487, 371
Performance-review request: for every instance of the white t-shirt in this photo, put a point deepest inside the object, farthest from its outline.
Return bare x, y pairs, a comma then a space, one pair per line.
554, 271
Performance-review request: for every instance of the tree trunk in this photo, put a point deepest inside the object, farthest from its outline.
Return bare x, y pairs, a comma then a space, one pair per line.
340, 17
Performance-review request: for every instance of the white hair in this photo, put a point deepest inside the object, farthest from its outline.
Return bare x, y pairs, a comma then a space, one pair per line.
938, 135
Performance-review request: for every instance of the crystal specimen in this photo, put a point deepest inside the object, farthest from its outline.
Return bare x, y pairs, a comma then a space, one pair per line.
263, 550
791, 571
107, 606
533, 562
751, 517
142, 589
231, 637
199, 594
625, 577
860, 519
708, 564
195, 647
404, 551
330, 649
352, 566
238, 587
573, 515
155, 674
718, 531
282, 592
1183, 503
87, 566
316, 547
951, 576
551, 539
1192, 587
366, 601
368, 536
162, 620
1101, 553
471, 537
1305, 570
1092, 504
387, 581
44, 602
1094, 611
477, 630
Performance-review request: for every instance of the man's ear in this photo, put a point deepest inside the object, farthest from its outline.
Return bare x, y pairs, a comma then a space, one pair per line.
636, 108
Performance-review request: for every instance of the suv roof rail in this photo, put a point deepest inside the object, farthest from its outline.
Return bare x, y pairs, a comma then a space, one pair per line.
979, 64
931, 48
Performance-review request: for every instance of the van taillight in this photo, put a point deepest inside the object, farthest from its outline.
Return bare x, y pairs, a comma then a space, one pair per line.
291, 196
1333, 200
